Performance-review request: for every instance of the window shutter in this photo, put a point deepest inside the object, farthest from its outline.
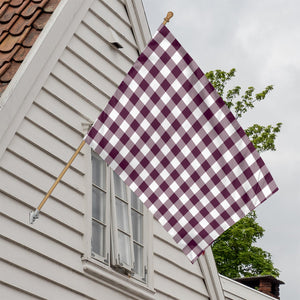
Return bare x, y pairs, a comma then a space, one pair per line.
123, 255
100, 209
138, 233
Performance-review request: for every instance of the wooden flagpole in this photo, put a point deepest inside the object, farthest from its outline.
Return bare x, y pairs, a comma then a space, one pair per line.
33, 215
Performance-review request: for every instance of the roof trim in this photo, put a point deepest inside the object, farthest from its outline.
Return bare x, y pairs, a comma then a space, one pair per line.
211, 276
139, 23
22, 90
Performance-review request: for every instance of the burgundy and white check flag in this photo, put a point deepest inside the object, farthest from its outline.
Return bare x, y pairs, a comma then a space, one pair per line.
175, 143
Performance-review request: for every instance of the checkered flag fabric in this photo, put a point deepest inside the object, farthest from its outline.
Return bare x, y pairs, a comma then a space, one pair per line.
175, 143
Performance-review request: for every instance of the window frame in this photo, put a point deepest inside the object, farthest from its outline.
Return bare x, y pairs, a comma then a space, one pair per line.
106, 258
116, 259
147, 218
103, 264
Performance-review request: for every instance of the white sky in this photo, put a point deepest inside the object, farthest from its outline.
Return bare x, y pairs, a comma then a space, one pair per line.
261, 39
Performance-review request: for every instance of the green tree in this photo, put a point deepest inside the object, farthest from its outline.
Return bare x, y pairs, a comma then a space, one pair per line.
234, 251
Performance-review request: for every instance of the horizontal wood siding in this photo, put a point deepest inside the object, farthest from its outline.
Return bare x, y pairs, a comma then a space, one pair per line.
44, 260
10, 293
175, 276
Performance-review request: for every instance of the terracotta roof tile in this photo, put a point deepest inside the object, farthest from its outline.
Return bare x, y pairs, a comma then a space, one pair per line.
4, 68
21, 22
13, 10
6, 57
31, 37
31, 8
21, 54
50, 6
8, 13
16, 2
3, 86
41, 21
3, 36
11, 41
10, 72
3, 8
2, 2
6, 26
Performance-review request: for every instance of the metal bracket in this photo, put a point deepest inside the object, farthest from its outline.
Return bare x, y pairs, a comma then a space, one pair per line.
33, 215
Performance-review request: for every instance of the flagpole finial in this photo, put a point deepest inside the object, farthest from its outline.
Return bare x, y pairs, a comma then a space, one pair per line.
168, 17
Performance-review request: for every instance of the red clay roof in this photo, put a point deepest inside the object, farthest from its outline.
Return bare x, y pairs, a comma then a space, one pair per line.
21, 22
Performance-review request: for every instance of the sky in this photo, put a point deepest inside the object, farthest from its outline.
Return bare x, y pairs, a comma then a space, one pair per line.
261, 40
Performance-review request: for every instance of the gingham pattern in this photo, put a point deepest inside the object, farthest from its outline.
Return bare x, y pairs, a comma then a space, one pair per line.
174, 142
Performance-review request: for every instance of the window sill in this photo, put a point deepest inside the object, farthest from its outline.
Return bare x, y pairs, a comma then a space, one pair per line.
118, 282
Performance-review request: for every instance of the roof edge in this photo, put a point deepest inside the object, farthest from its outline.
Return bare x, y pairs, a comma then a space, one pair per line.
139, 22
22, 90
250, 278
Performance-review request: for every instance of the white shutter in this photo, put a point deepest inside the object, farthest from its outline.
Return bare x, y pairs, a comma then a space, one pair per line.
123, 256
138, 234
100, 209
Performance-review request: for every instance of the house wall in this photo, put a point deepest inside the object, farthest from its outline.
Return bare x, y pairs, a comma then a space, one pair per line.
45, 260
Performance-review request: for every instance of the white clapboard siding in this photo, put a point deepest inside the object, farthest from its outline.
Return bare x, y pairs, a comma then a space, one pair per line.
50, 123
91, 74
173, 271
113, 19
102, 46
49, 143
44, 260
96, 60
35, 284
118, 8
175, 256
175, 267
175, 289
32, 282
56, 270
39, 242
93, 93
26, 151
72, 99
41, 179
95, 22
64, 234
31, 194
59, 110
10, 293
27, 195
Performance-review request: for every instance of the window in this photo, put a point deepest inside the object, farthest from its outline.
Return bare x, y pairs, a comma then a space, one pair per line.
118, 223
100, 209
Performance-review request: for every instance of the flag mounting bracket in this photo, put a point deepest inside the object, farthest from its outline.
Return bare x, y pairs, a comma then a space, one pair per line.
33, 215
168, 17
